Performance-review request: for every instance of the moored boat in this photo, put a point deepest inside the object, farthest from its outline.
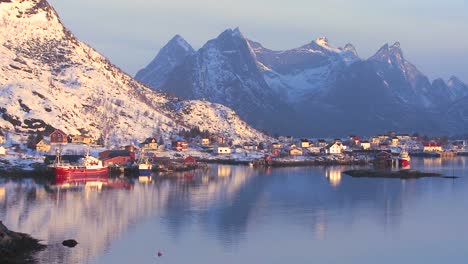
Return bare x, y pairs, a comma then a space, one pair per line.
88, 169
144, 169
144, 165
404, 159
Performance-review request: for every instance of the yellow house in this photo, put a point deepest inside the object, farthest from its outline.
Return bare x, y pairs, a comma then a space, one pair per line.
395, 141
81, 139
2, 139
2, 151
42, 146
150, 143
275, 145
295, 152
305, 143
205, 141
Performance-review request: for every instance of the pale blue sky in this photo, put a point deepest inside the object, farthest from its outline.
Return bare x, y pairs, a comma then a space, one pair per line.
433, 34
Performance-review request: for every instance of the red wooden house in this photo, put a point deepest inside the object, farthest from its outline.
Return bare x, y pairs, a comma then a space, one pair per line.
58, 137
118, 160
189, 160
180, 145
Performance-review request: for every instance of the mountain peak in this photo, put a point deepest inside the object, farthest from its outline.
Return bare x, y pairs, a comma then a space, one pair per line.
350, 47
389, 54
237, 31
170, 56
232, 33
28, 8
322, 41
179, 41
454, 81
454, 78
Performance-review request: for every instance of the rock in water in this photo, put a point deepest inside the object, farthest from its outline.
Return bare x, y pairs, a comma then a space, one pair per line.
70, 243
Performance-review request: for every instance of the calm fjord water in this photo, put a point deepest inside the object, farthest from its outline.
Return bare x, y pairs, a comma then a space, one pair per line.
236, 214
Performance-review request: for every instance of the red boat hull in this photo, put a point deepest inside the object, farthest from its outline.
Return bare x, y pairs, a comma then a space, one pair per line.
80, 175
404, 163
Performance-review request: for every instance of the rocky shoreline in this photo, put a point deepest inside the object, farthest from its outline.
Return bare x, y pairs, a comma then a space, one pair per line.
17, 247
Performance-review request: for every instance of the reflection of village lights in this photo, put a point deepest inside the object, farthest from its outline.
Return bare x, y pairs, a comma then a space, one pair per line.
224, 171
94, 186
432, 162
2, 193
320, 225
205, 179
144, 179
40, 194
334, 176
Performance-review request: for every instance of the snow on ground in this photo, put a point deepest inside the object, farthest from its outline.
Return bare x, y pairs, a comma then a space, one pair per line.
205, 115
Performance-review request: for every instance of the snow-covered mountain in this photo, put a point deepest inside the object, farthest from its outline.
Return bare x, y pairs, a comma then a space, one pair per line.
300, 74
49, 79
225, 71
319, 89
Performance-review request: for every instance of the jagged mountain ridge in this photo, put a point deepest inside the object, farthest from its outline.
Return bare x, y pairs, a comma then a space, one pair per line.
322, 87
49, 79
225, 71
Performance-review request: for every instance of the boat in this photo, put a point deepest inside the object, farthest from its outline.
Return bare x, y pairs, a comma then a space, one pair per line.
88, 169
144, 169
404, 159
144, 166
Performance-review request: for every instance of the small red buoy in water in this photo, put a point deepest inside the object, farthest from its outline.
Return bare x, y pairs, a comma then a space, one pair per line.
159, 254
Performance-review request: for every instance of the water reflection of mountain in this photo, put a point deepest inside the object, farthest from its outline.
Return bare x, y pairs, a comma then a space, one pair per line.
225, 206
92, 218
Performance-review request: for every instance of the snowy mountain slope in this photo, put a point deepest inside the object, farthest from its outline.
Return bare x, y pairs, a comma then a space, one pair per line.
361, 101
49, 79
300, 74
205, 115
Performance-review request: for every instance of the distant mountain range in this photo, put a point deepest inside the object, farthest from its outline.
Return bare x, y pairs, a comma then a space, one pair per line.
313, 90
49, 79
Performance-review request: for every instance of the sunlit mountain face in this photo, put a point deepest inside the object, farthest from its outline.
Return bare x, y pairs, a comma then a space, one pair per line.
51, 80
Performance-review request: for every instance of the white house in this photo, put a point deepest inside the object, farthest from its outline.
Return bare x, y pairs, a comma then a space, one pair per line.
315, 150
335, 148
222, 149
2, 151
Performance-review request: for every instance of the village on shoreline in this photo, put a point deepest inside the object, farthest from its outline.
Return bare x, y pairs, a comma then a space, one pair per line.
191, 149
